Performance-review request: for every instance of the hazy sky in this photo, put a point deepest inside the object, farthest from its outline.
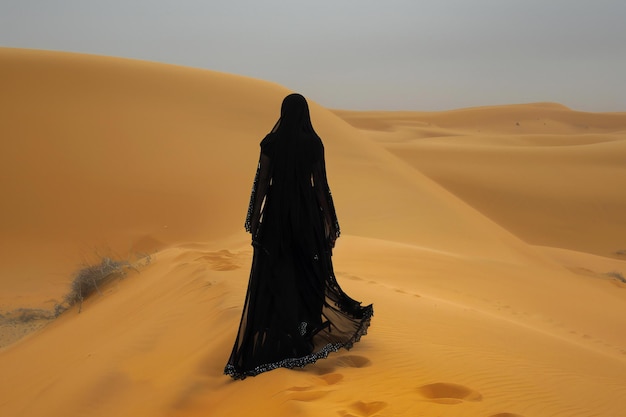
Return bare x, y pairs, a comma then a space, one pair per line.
359, 54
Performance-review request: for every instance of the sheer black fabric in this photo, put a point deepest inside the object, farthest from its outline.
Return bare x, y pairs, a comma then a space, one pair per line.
295, 311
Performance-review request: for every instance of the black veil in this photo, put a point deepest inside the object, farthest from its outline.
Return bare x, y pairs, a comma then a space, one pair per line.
295, 311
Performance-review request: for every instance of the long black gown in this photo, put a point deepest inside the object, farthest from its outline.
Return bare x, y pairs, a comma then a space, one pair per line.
295, 311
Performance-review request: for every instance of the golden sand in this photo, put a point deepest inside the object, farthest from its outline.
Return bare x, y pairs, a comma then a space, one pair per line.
484, 237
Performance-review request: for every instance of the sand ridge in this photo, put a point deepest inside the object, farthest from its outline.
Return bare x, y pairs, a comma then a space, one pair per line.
550, 175
487, 270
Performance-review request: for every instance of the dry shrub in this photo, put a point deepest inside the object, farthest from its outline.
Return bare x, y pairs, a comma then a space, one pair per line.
89, 280
617, 275
25, 315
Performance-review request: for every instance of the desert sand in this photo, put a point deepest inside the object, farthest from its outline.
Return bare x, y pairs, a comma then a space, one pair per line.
492, 242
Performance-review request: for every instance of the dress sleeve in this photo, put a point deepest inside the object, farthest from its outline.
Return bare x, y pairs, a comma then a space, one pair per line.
257, 196
325, 200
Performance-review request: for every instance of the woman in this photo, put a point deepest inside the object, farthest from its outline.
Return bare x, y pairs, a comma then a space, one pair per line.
295, 312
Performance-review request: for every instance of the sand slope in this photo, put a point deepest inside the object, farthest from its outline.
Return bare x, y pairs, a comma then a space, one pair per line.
103, 155
552, 176
110, 156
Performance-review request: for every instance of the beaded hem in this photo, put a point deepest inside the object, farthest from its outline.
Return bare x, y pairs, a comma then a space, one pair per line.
362, 330
291, 363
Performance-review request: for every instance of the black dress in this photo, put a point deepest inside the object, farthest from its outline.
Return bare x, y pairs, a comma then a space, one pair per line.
295, 312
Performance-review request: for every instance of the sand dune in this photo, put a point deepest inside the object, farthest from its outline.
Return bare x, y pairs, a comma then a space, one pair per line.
112, 155
552, 176
485, 253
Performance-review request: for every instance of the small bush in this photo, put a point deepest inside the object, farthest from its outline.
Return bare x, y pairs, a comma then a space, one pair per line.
25, 315
617, 275
89, 279
86, 281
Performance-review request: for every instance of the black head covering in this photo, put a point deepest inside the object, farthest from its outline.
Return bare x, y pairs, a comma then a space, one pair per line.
293, 145
294, 116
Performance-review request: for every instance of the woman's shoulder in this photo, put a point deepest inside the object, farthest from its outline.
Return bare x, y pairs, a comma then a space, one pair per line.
317, 146
268, 138
267, 143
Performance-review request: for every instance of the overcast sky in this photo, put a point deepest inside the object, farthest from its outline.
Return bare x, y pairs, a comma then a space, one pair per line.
359, 54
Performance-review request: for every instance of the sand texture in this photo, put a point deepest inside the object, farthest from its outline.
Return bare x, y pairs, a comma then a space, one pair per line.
492, 242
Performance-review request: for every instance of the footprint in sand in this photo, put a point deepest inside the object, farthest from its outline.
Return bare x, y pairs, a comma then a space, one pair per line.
304, 394
401, 291
446, 393
506, 415
326, 377
311, 392
331, 379
353, 361
347, 361
321, 369
222, 260
363, 409
349, 276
